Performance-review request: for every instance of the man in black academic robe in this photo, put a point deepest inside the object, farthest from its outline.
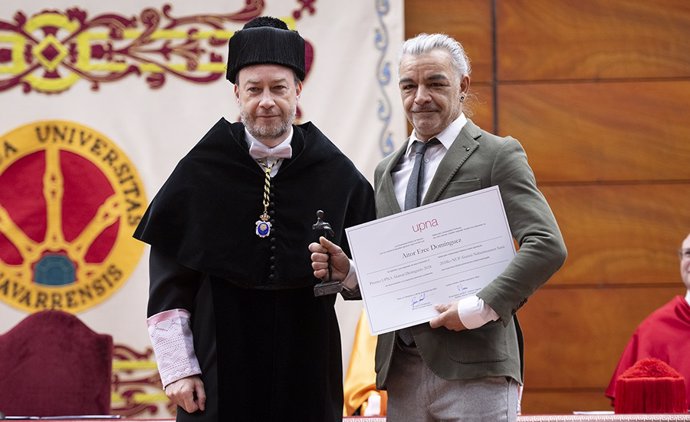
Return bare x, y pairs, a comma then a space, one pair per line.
237, 330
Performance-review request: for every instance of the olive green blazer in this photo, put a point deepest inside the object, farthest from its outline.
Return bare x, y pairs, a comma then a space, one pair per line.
477, 160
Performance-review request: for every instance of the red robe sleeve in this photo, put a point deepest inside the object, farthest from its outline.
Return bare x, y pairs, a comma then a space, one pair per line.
665, 335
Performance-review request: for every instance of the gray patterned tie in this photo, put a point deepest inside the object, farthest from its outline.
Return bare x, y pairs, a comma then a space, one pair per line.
412, 200
414, 184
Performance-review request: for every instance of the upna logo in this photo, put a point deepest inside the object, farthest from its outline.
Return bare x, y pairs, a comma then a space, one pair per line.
70, 200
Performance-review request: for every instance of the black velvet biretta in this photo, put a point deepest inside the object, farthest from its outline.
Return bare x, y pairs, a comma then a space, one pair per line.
265, 40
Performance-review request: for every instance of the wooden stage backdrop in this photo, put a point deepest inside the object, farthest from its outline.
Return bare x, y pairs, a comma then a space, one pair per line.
598, 92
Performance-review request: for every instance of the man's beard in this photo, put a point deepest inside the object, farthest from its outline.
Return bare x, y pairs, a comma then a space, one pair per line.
267, 131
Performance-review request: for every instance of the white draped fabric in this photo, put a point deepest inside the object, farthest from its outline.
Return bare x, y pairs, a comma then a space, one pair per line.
101, 99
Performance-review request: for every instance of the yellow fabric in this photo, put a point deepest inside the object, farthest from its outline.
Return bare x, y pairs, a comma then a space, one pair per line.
360, 380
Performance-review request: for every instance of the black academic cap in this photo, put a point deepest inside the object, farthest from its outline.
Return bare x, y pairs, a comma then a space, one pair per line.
265, 40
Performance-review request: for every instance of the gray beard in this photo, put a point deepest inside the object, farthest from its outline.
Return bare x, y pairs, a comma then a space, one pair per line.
267, 131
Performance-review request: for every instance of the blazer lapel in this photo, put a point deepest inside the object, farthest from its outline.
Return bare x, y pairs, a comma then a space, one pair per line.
463, 146
386, 201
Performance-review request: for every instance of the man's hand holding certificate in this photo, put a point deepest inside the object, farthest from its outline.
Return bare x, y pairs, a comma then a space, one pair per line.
435, 254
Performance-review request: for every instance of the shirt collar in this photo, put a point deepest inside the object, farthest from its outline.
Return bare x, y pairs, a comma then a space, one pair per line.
447, 135
250, 139
687, 297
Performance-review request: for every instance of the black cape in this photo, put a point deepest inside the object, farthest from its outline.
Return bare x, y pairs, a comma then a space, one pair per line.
205, 214
268, 349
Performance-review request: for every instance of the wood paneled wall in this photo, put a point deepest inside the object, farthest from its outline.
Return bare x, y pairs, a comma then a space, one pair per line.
598, 92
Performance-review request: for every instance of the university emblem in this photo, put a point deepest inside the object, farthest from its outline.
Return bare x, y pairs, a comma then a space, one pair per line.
70, 200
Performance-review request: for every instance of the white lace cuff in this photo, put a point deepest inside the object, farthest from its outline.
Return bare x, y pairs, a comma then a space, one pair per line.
171, 337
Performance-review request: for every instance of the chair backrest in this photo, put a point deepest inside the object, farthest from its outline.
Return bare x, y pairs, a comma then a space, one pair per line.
52, 364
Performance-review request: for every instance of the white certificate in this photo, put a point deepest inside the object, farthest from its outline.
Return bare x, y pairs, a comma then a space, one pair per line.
434, 254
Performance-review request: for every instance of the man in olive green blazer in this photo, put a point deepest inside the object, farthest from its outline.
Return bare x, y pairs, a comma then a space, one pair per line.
467, 363
476, 160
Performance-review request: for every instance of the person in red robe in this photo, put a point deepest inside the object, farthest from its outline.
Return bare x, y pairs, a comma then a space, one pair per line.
664, 334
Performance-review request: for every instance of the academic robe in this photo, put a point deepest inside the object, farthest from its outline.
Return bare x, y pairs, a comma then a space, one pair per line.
665, 335
268, 348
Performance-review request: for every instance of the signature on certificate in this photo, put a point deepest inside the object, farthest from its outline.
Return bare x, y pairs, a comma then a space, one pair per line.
417, 300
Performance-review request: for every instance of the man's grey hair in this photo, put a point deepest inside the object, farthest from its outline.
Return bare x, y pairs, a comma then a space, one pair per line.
424, 43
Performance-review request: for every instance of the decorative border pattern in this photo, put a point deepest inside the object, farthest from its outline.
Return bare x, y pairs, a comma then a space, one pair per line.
136, 384
306, 5
383, 77
52, 50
